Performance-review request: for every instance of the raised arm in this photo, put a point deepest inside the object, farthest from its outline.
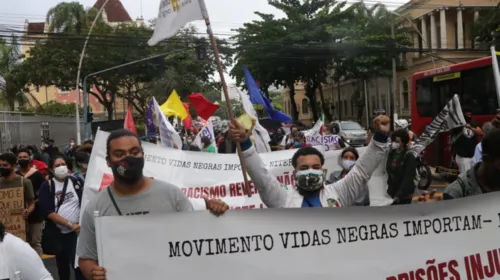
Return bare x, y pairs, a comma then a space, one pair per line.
354, 183
271, 191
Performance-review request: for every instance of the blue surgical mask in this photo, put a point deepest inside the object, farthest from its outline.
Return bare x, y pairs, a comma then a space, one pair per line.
310, 180
347, 164
297, 143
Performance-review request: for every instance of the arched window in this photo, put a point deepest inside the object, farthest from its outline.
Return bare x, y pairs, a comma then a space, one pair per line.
406, 95
305, 106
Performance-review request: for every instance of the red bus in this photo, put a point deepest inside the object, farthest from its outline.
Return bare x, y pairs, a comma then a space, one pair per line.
473, 81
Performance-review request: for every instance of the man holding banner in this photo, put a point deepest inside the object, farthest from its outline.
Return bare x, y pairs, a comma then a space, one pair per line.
131, 194
309, 174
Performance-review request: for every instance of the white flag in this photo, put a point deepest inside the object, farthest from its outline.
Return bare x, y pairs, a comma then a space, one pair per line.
173, 15
449, 118
206, 131
168, 134
260, 135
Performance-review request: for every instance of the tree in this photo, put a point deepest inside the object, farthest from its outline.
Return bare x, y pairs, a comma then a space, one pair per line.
260, 45
54, 61
486, 29
67, 17
12, 80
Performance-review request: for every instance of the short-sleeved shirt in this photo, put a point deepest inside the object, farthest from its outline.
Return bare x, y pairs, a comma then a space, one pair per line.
161, 197
18, 182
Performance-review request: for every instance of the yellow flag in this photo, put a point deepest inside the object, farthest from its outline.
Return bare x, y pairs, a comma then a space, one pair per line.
174, 107
245, 120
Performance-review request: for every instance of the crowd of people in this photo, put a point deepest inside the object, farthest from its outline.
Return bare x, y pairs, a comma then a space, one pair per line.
53, 185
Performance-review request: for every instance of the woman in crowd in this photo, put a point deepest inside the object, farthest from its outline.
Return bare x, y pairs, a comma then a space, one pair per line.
401, 169
18, 261
60, 200
348, 159
207, 145
299, 141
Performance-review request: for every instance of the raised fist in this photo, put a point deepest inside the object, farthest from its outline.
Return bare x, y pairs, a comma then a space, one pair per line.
382, 124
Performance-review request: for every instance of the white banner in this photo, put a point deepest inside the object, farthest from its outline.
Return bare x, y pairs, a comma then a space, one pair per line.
445, 240
329, 142
214, 175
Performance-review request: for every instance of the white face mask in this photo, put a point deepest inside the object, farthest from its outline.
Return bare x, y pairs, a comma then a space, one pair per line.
61, 172
395, 145
347, 164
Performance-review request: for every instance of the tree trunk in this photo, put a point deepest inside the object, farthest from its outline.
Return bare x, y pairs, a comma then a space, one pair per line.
311, 94
109, 109
291, 88
377, 94
324, 106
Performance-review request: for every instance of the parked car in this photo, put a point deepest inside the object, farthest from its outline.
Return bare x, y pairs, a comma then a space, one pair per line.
351, 132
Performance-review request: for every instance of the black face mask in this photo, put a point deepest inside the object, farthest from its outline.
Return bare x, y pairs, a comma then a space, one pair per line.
128, 170
467, 119
23, 163
5, 172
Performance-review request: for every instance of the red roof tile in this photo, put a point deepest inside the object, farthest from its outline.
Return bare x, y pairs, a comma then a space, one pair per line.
35, 28
115, 10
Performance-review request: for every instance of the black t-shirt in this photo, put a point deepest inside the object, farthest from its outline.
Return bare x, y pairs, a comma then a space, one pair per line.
465, 141
37, 180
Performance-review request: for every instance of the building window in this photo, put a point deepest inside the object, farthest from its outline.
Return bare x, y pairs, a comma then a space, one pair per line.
384, 102
346, 113
405, 93
305, 106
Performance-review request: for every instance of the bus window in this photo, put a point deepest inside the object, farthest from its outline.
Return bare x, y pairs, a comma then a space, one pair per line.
479, 90
424, 97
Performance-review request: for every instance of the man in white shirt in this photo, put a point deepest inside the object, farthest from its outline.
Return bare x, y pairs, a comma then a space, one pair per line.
18, 261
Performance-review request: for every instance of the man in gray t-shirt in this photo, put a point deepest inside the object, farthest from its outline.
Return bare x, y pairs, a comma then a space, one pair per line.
130, 194
160, 197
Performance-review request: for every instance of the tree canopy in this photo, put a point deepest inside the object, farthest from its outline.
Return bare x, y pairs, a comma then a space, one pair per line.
315, 42
486, 29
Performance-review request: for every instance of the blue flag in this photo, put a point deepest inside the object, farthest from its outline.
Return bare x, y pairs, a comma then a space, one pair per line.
256, 97
150, 125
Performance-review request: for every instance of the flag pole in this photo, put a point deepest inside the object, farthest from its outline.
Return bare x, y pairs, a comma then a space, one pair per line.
224, 88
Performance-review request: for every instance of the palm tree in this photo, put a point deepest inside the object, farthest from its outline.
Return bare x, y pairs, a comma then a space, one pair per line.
12, 79
67, 17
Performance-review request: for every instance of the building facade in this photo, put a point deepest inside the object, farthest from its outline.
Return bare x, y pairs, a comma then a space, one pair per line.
440, 26
114, 13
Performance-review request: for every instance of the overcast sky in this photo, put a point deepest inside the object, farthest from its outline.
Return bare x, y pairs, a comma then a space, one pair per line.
224, 14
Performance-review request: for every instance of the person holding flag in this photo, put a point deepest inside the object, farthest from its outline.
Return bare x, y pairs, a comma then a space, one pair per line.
311, 188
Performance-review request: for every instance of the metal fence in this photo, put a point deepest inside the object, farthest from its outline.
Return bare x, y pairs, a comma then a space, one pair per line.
30, 129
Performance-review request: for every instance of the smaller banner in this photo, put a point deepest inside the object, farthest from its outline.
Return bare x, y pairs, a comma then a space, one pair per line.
330, 142
445, 240
11, 211
206, 131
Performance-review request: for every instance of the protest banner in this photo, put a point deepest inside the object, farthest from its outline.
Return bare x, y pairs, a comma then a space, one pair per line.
330, 142
445, 240
11, 211
213, 175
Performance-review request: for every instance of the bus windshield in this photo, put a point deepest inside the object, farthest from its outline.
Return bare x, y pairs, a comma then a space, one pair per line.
475, 87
